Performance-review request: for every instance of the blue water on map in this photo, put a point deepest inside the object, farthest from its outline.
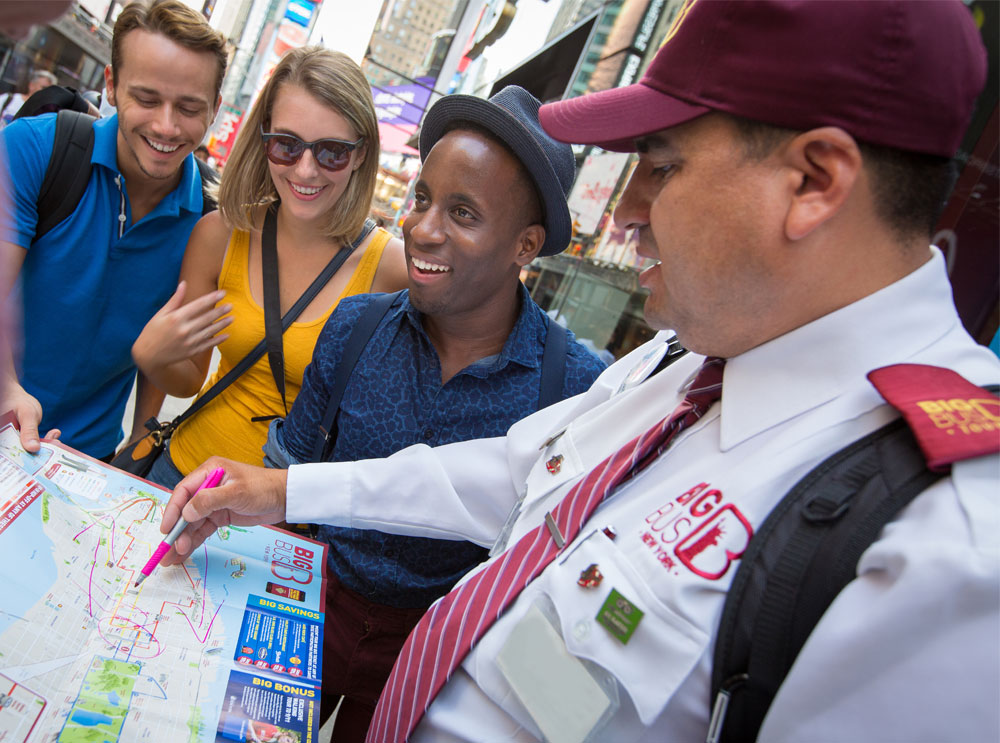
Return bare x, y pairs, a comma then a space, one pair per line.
113, 698
89, 717
25, 544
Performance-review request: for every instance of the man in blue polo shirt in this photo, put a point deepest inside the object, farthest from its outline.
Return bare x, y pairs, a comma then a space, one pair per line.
89, 285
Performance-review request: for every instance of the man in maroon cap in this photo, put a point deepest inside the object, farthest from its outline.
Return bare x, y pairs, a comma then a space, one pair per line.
792, 160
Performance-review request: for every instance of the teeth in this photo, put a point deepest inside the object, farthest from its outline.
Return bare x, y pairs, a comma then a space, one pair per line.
162, 147
306, 190
425, 266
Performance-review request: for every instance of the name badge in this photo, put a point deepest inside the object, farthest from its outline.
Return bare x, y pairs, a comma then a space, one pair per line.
569, 702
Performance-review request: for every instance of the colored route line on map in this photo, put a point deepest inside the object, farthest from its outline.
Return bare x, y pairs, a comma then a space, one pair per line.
113, 622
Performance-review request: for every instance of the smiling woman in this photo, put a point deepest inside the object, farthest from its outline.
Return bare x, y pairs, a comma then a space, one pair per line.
304, 161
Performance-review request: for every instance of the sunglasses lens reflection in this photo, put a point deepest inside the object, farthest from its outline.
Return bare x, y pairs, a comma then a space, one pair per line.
287, 150
332, 155
284, 150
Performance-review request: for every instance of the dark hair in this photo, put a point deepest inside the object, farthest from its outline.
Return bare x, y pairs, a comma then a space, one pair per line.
179, 23
537, 213
910, 189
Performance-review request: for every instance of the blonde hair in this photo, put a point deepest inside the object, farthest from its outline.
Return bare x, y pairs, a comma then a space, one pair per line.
336, 81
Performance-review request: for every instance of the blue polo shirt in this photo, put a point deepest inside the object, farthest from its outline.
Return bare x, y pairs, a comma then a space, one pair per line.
395, 399
87, 286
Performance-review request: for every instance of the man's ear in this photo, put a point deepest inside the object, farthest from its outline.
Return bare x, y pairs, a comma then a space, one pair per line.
529, 242
109, 85
826, 163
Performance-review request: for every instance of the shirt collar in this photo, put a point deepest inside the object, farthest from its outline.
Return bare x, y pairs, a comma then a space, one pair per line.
816, 363
187, 195
521, 346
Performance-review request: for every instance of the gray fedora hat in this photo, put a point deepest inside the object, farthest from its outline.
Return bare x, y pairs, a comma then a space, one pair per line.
512, 116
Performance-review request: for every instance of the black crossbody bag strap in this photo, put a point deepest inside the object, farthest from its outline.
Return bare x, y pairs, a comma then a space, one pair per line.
272, 300
273, 326
357, 341
251, 358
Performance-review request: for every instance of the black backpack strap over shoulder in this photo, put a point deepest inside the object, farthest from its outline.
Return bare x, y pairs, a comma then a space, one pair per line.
356, 343
208, 178
802, 556
68, 172
553, 365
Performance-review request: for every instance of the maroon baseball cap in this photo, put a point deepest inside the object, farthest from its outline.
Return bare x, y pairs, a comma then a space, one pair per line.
898, 73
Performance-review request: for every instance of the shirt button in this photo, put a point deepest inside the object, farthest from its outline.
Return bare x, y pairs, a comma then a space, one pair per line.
121, 217
428, 433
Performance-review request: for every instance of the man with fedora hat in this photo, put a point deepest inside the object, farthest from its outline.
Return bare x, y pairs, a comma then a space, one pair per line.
458, 355
793, 157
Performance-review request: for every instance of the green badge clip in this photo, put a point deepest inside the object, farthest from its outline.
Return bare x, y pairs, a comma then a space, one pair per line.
619, 616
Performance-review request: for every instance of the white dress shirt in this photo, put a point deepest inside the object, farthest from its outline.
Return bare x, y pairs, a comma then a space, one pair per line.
910, 650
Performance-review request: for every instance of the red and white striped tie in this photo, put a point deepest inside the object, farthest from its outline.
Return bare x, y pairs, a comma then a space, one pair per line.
449, 630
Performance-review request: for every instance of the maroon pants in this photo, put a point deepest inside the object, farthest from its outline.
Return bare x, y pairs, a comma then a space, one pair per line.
361, 640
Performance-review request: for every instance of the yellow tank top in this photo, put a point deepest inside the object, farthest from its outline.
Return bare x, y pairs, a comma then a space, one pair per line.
223, 427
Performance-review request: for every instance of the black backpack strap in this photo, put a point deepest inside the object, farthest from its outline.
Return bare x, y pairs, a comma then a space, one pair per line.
68, 172
553, 365
51, 99
802, 556
356, 343
208, 178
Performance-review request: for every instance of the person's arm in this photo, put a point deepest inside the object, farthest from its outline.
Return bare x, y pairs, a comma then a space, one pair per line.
24, 156
148, 401
174, 350
391, 275
27, 410
464, 490
456, 491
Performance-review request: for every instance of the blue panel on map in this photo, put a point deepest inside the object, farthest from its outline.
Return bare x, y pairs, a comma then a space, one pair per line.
265, 709
281, 639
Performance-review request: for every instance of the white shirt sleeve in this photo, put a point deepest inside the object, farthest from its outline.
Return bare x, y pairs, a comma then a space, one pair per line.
456, 491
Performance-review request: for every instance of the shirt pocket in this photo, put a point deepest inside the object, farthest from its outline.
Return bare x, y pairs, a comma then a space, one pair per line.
664, 647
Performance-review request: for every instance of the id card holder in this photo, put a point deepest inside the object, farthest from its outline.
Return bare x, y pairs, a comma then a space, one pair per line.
570, 699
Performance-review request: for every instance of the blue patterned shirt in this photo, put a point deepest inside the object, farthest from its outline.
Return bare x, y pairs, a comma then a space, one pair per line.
395, 399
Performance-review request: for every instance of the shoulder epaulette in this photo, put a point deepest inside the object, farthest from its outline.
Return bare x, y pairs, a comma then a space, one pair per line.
951, 418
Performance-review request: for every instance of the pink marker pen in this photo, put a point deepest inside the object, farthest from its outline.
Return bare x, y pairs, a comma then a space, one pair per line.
213, 479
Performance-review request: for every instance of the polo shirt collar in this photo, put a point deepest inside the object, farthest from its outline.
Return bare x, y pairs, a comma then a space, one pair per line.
816, 363
187, 195
521, 345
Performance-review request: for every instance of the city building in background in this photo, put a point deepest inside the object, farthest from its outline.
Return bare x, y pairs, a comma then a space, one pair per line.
75, 48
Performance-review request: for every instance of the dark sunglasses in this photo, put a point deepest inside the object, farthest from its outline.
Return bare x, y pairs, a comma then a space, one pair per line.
287, 149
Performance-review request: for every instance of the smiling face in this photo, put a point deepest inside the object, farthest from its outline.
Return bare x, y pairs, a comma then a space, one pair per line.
305, 189
165, 96
470, 230
712, 218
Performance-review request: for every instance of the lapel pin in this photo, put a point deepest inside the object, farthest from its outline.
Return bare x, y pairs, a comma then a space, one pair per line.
591, 577
554, 464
